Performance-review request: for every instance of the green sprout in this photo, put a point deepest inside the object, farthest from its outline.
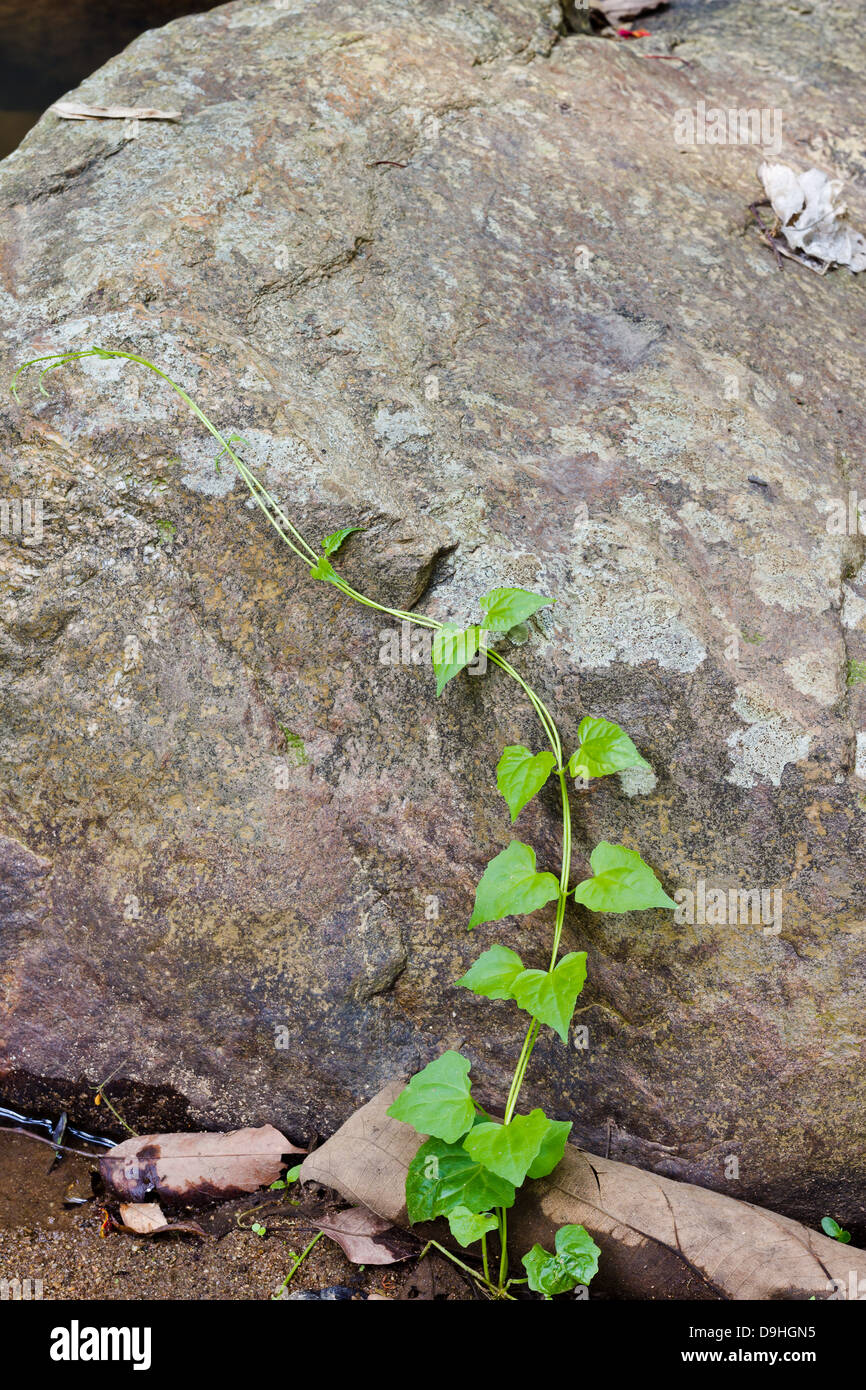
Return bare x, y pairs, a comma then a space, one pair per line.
834, 1230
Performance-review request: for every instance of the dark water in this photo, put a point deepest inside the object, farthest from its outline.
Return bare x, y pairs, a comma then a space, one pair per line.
48, 46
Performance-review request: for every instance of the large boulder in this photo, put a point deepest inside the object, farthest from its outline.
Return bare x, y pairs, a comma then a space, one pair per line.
452, 277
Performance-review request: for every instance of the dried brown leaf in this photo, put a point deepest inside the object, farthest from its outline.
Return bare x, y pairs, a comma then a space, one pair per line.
143, 1217
367, 1239
194, 1168
148, 1219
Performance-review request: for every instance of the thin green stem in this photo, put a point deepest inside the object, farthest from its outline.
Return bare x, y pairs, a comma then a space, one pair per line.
545, 717
484, 1257
260, 494
299, 1260
479, 1278
503, 1256
566, 863
511, 1100
534, 1027
520, 1068
100, 1095
102, 1098
420, 619
266, 501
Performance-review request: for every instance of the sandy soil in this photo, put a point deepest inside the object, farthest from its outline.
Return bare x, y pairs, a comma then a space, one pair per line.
42, 1238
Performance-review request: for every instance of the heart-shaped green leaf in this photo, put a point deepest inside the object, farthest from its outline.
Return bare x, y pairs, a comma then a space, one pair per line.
443, 1176
332, 543
520, 774
512, 884
552, 1148
550, 995
505, 608
493, 973
437, 1100
604, 748
509, 1150
467, 1227
453, 648
621, 882
575, 1262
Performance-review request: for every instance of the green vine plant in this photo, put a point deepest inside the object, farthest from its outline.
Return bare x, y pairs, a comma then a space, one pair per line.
471, 1164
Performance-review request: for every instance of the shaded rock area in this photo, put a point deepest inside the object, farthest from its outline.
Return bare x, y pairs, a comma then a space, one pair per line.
452, 278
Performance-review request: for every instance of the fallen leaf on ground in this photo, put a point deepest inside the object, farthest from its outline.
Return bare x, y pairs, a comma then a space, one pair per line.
367, 1239
193, 1168
812, 216
75, 111
148, 1219
142, 1217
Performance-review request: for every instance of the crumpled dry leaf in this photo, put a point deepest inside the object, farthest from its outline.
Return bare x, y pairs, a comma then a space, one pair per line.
615, 10
76, 111
368, 1239
148, 1219
812, 215
661, 1239
194, 1168
143, 1217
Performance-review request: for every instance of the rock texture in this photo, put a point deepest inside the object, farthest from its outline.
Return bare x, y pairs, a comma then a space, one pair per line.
451, 276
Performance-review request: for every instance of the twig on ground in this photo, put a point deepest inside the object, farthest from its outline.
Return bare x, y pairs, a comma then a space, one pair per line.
40, 1139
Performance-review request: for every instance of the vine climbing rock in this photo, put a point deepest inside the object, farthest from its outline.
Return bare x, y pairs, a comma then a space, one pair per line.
452, 278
